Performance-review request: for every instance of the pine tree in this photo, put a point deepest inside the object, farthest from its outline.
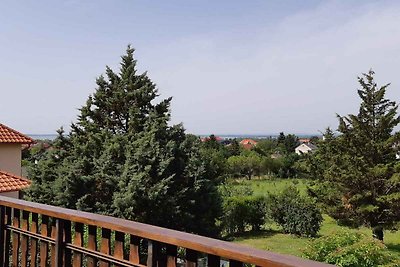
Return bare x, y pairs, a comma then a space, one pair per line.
123, 158
360, 180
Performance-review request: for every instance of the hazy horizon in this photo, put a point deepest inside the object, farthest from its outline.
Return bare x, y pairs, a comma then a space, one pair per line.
231, 66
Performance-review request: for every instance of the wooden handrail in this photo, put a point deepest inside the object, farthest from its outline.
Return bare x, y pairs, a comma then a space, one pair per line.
191, 242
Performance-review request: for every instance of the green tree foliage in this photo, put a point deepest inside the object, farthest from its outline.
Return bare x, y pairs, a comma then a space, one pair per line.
271, 166
234, 148
44, 167
359, 177
296, 214
287, 165
123, 158
212, 143
287, 143
247, 164
215, 155
266, 147
348, 249
243, 213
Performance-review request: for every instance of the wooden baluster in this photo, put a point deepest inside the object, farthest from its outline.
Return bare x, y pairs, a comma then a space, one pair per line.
34, 242
105, 245
53, 247
119, 245
15, 239
24, 239
7, 238
213, 261
92, 245
134, 245
171, 255
58, 256
78, 241
233, 263
3, 245
44, 246
191, 258
67, 240
153, 254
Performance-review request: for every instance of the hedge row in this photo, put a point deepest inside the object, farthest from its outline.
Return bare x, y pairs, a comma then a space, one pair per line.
296, 214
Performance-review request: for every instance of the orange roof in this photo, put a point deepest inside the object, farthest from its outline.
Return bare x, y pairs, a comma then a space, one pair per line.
11, 182
8, 135
248, 141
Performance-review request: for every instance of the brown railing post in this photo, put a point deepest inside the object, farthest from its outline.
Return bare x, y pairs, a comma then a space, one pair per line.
24, 239
153, 253
105, 247
119, 245
53, 235
92, 245
171, 255
191, 258
34, 242
3, 245
78, 240
58, 257
134, 245
15, 239
7, 238
44, 247
67, 240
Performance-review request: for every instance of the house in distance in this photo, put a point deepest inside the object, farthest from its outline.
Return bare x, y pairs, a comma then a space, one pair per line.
305, 148
11, 180
248, 143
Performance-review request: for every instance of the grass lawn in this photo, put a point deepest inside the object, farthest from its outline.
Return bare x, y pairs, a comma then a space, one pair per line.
262, 186
273, 240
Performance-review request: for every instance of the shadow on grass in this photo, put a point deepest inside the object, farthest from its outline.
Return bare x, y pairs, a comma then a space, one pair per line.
253, 235
393, 247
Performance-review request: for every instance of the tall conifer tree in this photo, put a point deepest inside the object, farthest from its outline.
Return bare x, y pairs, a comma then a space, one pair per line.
360, 181
124, 159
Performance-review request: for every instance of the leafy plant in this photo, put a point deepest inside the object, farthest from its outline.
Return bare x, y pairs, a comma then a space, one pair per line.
347, 249
241, 213
296, 214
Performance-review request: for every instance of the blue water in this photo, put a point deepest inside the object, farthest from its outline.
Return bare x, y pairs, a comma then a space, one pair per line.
43, 136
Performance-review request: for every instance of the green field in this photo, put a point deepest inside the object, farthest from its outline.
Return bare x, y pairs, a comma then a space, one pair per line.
262, 186
274, 240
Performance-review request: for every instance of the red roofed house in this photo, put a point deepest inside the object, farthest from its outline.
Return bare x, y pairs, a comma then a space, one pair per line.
248, 143
11, 143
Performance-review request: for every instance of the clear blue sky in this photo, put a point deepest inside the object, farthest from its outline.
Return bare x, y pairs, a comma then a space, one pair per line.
231, 66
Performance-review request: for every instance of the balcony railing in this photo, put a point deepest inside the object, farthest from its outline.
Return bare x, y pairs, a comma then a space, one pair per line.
33, 234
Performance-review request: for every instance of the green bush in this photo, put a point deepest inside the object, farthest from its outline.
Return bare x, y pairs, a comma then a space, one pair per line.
349, 249
296, 214
243, 213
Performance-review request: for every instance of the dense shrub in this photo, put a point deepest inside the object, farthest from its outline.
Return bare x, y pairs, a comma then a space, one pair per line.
242, 213
296, 214
348, 249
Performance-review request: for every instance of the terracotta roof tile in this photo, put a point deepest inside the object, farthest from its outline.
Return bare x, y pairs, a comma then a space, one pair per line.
248, 141
8, 135
11, 182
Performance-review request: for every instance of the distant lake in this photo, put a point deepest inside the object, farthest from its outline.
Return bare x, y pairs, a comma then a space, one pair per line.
43, 136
